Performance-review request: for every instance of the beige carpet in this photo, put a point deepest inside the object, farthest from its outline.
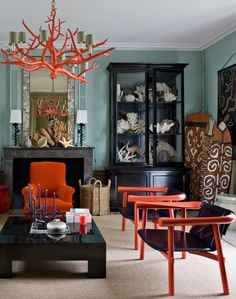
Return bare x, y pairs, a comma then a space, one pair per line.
127, 276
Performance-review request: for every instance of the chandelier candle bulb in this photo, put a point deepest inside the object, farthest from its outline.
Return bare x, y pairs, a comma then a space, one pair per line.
80, 36
89, 40
22, 37
13, 39
43, 35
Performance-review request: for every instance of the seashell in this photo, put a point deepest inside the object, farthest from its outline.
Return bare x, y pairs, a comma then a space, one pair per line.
165, 152
130, 98
164, 127
122, 126
169, 97
132, 118
140, 93
158, 128
162, 87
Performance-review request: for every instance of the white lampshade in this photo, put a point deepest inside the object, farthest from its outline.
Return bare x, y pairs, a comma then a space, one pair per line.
15, 117
81, 117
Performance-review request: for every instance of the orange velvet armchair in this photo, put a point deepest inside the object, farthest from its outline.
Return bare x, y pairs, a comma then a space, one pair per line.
52, 177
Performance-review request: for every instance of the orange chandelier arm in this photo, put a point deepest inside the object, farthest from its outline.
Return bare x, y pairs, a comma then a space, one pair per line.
54, 57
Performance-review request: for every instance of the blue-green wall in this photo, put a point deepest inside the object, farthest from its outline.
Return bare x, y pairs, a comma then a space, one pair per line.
215, 58
97, 101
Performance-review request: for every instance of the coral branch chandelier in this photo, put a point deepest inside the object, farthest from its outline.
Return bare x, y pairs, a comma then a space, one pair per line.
57, 60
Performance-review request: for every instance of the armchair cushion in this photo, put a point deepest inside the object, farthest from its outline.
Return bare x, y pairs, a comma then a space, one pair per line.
52, 177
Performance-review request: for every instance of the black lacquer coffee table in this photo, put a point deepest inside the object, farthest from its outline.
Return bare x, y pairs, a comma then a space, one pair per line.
17, 243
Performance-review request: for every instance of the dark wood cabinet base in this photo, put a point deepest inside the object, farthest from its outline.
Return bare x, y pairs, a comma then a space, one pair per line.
175, 177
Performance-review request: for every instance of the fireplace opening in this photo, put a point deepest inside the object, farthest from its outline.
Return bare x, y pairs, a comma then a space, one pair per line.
21, 177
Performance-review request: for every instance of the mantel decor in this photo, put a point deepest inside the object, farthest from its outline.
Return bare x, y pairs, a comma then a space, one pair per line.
53, 57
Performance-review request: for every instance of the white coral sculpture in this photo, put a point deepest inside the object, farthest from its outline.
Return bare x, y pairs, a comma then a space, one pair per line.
124, 155
139, 127
140, 93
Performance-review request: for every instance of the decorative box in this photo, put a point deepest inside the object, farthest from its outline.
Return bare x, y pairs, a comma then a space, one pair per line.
74, 215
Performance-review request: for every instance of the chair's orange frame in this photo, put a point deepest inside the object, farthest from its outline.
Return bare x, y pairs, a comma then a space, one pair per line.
170, 223
149, 198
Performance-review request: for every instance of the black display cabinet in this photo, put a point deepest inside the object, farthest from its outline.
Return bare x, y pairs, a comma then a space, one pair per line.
146, 126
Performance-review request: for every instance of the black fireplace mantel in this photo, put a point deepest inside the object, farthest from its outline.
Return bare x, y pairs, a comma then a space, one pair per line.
10, 154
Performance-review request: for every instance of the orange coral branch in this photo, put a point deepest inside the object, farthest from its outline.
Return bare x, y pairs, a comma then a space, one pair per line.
50, 56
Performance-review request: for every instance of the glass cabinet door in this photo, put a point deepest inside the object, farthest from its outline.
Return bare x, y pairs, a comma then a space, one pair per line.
130, 117
165, 117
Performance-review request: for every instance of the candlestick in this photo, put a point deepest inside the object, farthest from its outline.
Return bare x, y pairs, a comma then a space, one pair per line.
83, 219
29, 196
34, 208
46, 203
54, 202
39, 196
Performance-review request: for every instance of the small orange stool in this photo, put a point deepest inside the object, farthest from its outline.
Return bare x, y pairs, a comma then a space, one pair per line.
4, 199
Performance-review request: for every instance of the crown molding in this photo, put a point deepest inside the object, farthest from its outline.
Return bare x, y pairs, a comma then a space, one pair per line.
135, 46
155, 46
218, 34
209, 40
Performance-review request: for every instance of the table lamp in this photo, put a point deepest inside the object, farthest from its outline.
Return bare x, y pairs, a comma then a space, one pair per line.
81, 120
15, 120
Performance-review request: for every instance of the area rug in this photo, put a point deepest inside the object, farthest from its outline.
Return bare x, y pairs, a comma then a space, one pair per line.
127, 276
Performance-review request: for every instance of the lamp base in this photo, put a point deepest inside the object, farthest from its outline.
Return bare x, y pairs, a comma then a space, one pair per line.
80, 134
16, 131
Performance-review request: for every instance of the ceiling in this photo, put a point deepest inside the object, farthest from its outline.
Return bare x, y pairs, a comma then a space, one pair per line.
131, 24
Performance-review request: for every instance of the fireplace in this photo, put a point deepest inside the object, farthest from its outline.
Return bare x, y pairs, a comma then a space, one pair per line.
79, 165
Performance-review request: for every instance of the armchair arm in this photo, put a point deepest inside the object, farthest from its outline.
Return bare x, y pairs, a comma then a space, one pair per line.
126, 189
174, 205
197, 220
65, 192
157, 198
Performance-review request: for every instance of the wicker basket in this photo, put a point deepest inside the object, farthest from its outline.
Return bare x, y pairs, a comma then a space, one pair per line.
95, 197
